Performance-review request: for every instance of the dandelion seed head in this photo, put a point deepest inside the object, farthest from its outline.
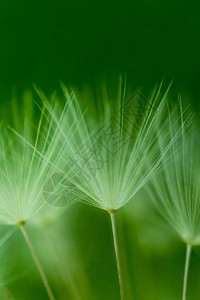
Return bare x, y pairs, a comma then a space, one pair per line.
110, 159
23, 171
176, 190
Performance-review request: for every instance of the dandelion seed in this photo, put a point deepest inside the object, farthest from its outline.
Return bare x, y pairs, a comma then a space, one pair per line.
22, 178
176, 191
109, 161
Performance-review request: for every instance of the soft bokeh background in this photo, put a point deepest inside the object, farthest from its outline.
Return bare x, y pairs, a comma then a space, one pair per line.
74, 41
79, 42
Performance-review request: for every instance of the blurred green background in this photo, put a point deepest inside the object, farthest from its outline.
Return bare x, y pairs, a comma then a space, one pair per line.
77, 42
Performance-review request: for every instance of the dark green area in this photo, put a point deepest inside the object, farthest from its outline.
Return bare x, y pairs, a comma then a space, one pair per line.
76, 41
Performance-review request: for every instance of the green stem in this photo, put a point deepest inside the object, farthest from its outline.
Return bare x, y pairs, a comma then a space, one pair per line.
42, 274
112, 217
187, 263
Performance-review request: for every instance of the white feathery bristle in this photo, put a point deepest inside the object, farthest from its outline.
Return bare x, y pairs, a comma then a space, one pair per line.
176, 190
109, 159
